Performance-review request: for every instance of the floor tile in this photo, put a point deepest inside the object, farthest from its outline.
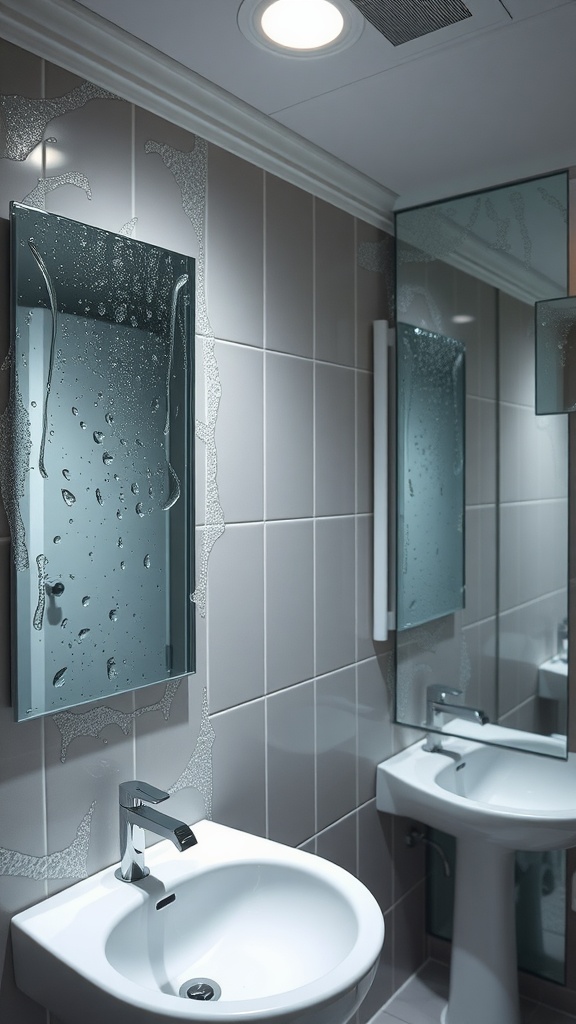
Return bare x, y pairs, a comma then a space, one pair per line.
423, 998
544, 1015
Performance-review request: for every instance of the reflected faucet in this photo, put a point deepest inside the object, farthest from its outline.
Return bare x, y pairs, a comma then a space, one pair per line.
437, 704
135, 818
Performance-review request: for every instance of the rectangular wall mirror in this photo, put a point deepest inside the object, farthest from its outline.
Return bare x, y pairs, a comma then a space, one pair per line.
98, 486
471, 268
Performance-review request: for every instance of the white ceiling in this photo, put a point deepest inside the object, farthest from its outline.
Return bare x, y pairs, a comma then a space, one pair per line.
485, 101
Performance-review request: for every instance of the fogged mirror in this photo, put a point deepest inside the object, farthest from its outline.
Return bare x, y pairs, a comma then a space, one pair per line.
430, 472
98, 488
471, 269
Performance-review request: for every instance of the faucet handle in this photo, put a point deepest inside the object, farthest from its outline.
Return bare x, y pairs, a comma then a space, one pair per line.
437, 692
132, 793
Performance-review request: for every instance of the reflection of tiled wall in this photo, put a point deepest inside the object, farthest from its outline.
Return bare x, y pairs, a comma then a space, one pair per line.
533, 518
282, 726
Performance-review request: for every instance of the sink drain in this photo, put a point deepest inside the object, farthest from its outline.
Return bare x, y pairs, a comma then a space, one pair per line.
200, 988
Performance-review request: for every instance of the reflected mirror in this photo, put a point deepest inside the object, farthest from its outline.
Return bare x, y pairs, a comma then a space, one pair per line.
430, 468
471, 269
98, 481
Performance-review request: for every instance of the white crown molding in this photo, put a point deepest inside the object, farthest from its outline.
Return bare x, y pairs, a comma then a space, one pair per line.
67, 34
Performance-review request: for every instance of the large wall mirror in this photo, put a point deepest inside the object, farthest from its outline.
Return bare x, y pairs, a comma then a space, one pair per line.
98, 481
469, 272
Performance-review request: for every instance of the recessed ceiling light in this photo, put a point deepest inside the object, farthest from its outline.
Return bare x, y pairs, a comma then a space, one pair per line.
301, 28
463, 318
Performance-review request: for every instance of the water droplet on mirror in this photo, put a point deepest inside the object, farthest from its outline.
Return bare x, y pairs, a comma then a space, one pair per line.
64, 623
66, 474
139, 510
120, 542
107, 458
86, 601
113, 615
122, 565
69, 498
111, 668
83, 633
99, 497
135, 489
146, 561
118, 514
33, 404
59, 677
109, 417
98, 436
82, 424
57, 539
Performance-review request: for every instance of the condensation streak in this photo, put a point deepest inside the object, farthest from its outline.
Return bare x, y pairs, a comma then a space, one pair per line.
54, 310
129, 228
72, 862
198, 771
37, 197
175, 483
41, 562
72, 725
25, 119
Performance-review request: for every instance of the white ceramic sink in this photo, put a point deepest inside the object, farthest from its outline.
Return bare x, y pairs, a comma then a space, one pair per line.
495, 801
278, 934
512, 798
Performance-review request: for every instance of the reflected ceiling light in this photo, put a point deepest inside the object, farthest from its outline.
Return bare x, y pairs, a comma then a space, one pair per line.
300, 28
462, 318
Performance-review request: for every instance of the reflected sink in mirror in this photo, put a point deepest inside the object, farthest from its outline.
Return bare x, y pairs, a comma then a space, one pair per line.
236, 928
494, 801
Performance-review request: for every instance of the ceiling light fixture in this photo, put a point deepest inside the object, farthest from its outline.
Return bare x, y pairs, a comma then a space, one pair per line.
300, 28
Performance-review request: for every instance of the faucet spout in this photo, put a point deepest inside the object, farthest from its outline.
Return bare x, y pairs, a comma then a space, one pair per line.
463, 711
438, 705
136, 818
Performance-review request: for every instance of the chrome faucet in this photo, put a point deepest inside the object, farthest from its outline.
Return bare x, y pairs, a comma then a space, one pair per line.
135, 818
437, 704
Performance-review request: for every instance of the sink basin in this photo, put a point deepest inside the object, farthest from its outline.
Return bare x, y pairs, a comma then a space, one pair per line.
495, 801
237, 928
513, 798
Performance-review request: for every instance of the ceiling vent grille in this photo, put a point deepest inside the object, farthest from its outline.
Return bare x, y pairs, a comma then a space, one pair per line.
401, 21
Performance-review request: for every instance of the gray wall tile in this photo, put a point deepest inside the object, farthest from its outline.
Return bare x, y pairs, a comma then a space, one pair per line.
335, 435
289, 603
289, 268
239, 758
289, 437
236, 617
336, 761
234, 248
291, 764
334, 263
335, 593
240, 432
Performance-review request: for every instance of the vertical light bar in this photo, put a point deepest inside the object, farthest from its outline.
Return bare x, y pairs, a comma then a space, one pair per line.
383, 338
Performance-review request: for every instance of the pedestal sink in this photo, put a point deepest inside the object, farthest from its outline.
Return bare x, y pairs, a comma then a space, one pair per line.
236, 930
495, 801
